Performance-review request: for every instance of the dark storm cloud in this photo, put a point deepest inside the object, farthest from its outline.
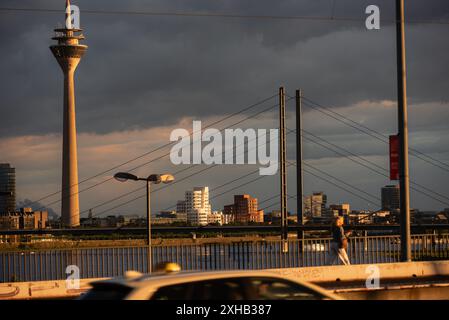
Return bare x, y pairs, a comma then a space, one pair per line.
145, 70
148, 71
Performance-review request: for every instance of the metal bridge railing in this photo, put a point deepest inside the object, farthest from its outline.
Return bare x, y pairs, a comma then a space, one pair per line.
114, 261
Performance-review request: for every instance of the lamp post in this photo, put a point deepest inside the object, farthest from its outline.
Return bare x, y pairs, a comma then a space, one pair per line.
152, 178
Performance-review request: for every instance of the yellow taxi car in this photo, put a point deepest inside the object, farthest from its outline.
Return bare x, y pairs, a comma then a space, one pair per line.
214, 285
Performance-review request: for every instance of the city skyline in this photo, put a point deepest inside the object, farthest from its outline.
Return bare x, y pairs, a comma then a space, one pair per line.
125, 116
271, 204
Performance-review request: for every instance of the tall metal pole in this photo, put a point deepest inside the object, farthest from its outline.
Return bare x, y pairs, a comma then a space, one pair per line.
299, 179
282, 156
149, 253
404, 187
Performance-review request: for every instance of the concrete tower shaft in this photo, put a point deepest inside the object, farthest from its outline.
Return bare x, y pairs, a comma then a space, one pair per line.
68, 52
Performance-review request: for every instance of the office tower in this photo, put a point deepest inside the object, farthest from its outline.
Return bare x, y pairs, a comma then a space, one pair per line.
390, 198
7, 188
315, 205
244, 209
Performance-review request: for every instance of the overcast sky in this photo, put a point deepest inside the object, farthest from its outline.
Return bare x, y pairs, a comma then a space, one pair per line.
143, 76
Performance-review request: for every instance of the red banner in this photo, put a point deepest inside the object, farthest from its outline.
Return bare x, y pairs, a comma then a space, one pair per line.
394, 157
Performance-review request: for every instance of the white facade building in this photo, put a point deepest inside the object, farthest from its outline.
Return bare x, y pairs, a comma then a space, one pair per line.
228, 218
196, 205
215, 217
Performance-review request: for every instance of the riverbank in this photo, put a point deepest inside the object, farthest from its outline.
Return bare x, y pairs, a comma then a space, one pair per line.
72, 244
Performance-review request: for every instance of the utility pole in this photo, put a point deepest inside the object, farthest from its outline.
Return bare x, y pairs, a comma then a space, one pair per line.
283, 176
299, 180
404, 183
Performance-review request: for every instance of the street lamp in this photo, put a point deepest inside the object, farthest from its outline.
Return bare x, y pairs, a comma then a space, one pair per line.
152, 178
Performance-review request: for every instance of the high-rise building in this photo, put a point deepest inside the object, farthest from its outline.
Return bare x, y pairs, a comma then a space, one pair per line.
244, 209
390, 198
181, 207
315, 205
68, 53
195, 205
7, 188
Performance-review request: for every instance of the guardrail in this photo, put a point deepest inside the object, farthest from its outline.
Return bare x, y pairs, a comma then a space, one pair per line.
393, 228
43, 265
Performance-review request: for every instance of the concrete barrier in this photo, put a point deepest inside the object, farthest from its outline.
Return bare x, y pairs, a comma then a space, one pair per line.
397, 281
56, 289
430, 292
360, 272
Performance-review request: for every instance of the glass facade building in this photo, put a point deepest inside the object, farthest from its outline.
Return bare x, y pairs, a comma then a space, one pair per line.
7, 188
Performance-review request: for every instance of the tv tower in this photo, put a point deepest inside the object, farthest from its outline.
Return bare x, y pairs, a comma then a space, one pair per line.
68, 52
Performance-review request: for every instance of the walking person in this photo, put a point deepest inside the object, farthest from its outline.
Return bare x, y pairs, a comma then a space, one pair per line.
339, 243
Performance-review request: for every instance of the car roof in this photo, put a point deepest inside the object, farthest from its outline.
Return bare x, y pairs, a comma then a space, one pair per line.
184, 276
165, 279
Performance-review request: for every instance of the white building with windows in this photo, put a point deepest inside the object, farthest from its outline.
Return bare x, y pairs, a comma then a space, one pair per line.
215, 217
196, 205
228, 218
315, 205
